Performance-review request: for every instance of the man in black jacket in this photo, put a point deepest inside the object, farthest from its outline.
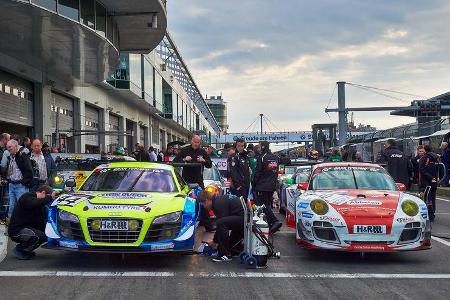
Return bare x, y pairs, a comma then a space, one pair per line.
428, 177
398, 166
230, 217
265, 183
239, 170
19, 174
194, 154
27, 224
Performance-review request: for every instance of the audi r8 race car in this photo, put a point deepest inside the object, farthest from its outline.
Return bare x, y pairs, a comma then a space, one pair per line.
125, 207
358, 207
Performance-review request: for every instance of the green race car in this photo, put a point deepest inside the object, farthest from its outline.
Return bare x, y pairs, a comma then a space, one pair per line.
126, 207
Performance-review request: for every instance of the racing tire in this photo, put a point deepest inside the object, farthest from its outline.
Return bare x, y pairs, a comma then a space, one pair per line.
242, 257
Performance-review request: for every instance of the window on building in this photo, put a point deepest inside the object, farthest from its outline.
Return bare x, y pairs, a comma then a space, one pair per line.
7, 89
69, 8
100, 24
87, 13
48, 4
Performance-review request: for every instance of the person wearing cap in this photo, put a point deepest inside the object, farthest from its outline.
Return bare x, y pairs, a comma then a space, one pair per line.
27, 223
230, 222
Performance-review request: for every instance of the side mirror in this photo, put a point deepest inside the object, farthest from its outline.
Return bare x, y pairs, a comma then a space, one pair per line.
281, 172
193, 186
303, 186
70, 183
401, 187
289, 181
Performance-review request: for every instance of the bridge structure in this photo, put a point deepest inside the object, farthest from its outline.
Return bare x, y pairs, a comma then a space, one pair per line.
277, 137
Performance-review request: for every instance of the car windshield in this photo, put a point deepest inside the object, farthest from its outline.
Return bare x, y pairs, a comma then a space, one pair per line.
302, 176
289, 171
369, 178
211, 174
131, 180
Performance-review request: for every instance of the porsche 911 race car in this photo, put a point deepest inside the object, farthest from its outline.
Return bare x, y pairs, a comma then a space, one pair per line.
125, 207
358, 207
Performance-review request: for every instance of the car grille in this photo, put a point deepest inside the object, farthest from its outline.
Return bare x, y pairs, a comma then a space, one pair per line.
114, 236
410, 233
162, 232
324, 231
70, 230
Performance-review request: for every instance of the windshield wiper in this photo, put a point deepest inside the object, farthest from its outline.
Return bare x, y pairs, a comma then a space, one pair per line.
135, 181
354, 178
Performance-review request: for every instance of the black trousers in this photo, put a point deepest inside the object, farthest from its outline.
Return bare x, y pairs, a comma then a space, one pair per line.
29, 239
266, 198
225, 240
240, 191
430, 200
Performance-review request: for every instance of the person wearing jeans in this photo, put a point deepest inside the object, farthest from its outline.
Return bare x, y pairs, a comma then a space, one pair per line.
19, 174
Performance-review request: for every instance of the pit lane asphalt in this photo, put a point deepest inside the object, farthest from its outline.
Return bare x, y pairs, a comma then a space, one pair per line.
299, 274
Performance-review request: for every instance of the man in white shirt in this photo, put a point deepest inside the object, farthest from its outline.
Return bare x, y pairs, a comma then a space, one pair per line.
43, 166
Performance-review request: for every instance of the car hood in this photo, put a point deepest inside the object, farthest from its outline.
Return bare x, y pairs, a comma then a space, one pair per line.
362, 203
117, 198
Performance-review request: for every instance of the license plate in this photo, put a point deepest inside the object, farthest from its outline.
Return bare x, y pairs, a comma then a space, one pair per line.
369, 229
109, 225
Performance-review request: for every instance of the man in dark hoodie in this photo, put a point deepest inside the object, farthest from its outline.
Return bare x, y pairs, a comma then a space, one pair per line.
398, 166
27, 224
265, 183
428, 177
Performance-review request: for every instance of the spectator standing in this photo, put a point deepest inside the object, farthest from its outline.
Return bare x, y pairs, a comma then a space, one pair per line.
398, 166
445, 159
415, 163
152, 154
27, 223
194, 154
4, 139
428, 177
141, 154
43, 166
19, 174
239, 170
335, 156
27, 143
265, 182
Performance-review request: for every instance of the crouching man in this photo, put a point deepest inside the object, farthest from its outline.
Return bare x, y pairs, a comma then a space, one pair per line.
27, 224
230, 217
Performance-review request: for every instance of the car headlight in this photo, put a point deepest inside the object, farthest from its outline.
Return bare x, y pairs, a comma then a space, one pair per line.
319, 206
410, 208
169, 218
65, 216
57, 180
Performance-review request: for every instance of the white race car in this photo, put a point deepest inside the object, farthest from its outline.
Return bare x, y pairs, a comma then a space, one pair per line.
358, 207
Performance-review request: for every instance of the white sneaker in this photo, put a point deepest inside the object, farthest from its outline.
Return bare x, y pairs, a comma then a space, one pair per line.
223, 258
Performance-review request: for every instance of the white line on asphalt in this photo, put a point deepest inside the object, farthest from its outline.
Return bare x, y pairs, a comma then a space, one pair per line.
442, 241
223, 275
442, 199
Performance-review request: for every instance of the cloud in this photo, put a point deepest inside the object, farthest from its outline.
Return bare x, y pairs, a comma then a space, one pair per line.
284, 60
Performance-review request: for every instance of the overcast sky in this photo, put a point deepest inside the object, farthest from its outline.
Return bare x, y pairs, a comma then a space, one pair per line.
283, 58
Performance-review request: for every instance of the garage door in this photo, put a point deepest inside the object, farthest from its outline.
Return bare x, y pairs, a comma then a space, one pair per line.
62, 108
113, 126
91, 123
16, 100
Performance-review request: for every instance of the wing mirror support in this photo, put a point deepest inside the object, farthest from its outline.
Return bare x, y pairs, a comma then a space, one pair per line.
71, 184
401, 187
303, 186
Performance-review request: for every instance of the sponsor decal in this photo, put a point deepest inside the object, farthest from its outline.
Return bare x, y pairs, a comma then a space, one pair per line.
423, 208
405, 220
337, 198
307, 223
364, 202
163, 246
424, 215
369, 229
303, 205
70, 200
368, 247
117, 207
307, 215
67, 244
331, 219
124, 195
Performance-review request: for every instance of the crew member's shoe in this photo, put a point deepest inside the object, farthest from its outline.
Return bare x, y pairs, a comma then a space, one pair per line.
275, 226
22, 255
223, 258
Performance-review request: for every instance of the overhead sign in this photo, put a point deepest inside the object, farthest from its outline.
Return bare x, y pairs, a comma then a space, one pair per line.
276, 137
